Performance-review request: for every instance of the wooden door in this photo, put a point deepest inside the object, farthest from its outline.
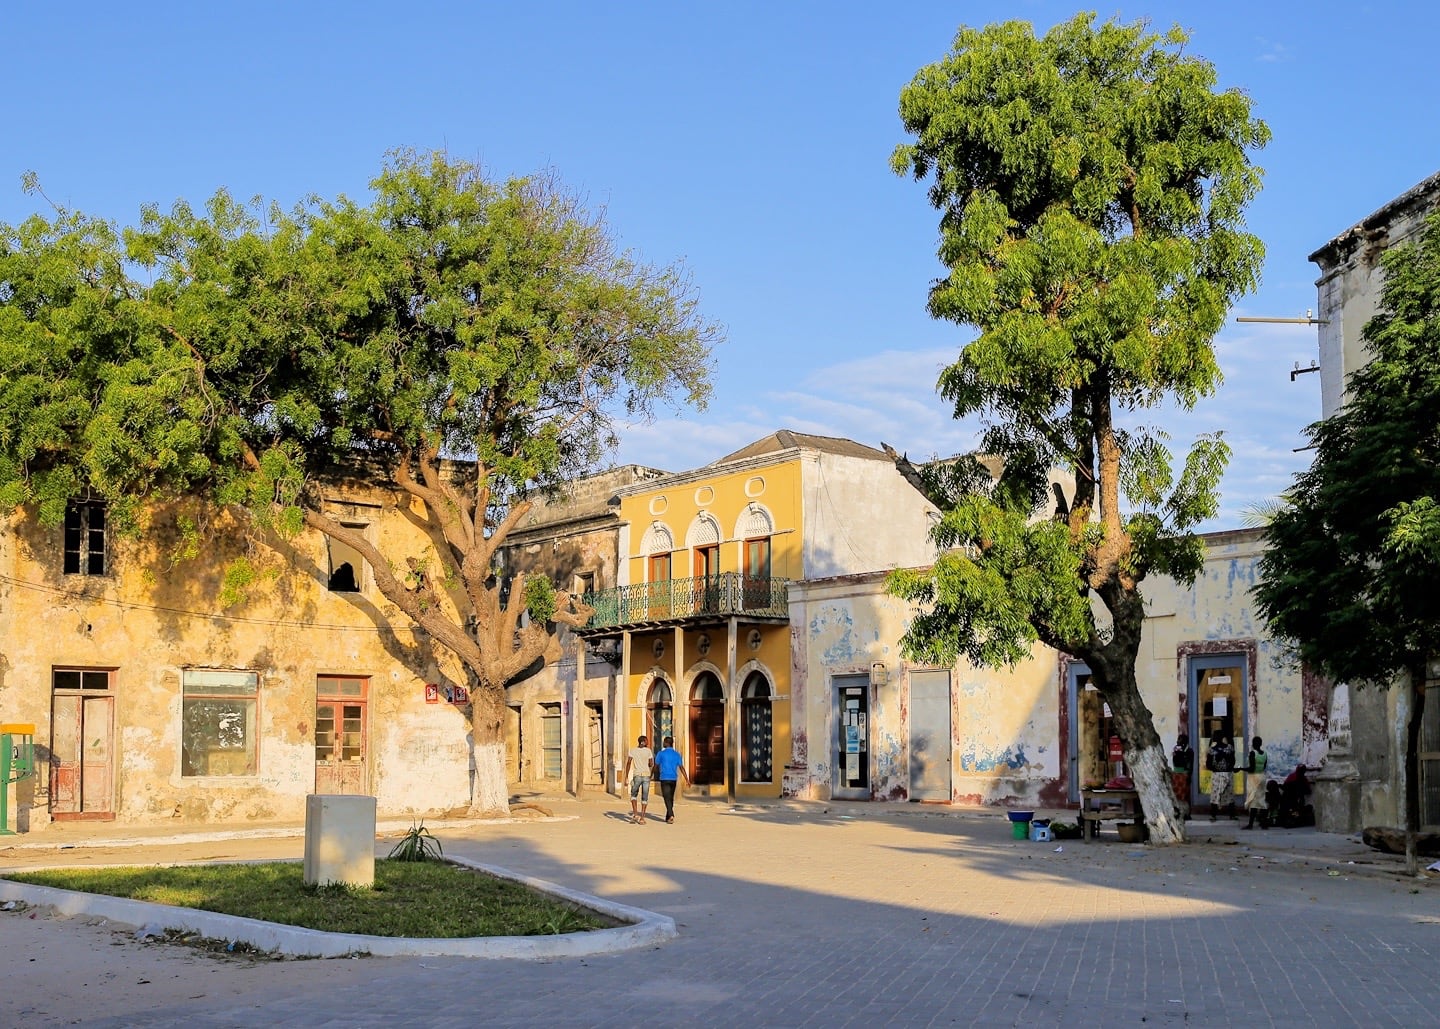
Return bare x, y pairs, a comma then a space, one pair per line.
659, 588
82, 770
707, 740
340, 765
513, 744
595, 735
707, 578
341, 747
755, 589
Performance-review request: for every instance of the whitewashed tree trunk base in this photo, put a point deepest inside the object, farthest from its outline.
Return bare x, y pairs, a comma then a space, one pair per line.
492, 797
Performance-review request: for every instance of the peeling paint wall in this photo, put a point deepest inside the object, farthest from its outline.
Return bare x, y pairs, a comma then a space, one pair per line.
1010, 729
1002, 733
1217, 615
148, 619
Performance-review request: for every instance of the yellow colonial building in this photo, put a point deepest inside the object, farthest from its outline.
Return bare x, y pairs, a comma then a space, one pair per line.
699, 620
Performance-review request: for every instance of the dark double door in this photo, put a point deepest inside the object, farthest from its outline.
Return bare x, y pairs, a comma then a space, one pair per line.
707, 740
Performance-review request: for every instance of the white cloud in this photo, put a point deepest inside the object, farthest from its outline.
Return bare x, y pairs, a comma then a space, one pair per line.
890, 397
1273, 53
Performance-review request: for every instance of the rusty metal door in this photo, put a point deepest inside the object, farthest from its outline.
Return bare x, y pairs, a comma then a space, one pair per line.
341, 747
82, 771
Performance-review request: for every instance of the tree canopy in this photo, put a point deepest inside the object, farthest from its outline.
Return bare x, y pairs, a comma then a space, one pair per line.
1354, 555
465, 339
1349, 575
1091, 185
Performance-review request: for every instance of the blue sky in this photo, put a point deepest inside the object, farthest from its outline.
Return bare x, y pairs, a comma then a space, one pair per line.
750, 140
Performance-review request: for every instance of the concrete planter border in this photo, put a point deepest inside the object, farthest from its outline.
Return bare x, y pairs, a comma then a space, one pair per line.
643, 928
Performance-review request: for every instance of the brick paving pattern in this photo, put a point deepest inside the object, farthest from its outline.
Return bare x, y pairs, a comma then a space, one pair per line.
812, 916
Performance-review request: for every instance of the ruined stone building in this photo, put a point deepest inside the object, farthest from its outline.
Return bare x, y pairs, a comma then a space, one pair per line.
560, 719
1362, 781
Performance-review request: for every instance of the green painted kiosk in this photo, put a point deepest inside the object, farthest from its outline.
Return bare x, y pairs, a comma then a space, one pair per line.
17, 761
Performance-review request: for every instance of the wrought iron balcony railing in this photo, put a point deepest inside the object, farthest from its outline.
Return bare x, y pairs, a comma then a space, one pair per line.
729, 593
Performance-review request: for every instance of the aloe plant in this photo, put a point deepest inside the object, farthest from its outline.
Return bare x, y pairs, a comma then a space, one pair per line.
418, 844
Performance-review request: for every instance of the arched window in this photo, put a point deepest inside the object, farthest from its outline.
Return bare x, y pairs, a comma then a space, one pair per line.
754, 529
754, 521
707, 730
757, 737
659, 713
703, 539
657, 545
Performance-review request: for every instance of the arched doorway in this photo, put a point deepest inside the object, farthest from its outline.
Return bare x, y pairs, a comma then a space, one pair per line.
659, 713
757, 732
707, 730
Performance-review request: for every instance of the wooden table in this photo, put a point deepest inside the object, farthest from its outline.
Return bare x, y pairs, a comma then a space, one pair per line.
1102, 805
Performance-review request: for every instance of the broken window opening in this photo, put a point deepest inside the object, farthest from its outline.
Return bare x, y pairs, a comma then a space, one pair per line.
348, 571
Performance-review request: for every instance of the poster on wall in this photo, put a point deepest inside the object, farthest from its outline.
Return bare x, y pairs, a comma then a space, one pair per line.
852, 739
852, 766
432, 693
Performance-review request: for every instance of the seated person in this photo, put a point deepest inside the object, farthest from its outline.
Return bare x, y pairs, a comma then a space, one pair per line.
1274, 797
1295, 807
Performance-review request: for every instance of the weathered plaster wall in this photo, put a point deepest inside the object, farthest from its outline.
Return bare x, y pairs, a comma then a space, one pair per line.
1010, 732
861, 516
1361, 781
563, 557
1003, 740
149, 618
1216, 616
1350, 283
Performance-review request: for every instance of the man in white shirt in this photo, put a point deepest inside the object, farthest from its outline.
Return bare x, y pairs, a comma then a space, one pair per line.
637, 772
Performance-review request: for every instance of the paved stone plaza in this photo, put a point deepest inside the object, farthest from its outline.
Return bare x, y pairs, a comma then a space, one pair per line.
795, 915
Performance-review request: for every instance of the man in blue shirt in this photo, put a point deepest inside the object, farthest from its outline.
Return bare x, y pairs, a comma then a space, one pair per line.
669, 764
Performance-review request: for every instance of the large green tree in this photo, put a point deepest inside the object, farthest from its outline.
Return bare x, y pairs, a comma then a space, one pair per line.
1091, 185
1350, 573
466, 340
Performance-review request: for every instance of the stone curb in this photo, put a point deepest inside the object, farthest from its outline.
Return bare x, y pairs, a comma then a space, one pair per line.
644, 928
277, 832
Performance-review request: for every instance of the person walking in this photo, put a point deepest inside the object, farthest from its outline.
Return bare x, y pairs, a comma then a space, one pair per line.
668, 766
1220, 760
1255, 805
640, 758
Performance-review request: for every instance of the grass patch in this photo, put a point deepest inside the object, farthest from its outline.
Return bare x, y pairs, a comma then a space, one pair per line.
425, 899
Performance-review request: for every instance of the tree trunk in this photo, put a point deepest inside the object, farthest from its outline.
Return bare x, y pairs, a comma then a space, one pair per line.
1144, 754
487, 724
1416, 705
